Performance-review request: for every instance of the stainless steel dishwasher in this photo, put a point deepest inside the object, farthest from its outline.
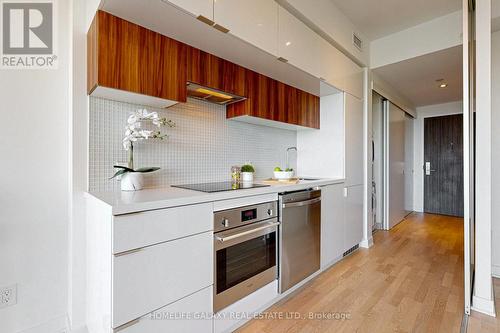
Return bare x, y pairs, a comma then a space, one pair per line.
299, 236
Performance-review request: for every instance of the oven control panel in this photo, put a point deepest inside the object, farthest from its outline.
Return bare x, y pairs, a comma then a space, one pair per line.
231, 218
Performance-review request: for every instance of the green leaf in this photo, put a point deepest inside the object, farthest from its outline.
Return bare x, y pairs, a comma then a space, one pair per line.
123, 167
145, 170
119, 173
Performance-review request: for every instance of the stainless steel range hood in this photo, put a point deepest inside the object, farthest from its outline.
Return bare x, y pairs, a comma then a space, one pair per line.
212, 95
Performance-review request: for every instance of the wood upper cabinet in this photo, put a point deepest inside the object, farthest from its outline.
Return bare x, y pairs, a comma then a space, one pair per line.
210, 71
127, 62
125, 57
273, 100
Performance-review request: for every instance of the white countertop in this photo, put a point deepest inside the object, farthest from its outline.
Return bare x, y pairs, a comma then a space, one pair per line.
157, 198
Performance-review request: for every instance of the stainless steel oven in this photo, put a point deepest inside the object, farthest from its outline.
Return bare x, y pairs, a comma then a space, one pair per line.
245, 251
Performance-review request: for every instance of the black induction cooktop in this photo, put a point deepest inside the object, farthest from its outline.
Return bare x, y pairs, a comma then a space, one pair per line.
219, 187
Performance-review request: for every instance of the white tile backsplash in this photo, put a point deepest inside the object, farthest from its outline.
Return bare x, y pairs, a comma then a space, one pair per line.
201, 148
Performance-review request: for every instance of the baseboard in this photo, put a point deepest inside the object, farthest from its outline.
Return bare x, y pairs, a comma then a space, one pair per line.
486, 306
366, 243
55, 325
495, 271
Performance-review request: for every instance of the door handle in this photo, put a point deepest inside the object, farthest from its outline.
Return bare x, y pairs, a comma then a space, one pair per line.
244, 233
301, 203
427, 168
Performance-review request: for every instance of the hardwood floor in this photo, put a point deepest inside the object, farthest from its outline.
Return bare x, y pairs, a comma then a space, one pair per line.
480, 323
410, 280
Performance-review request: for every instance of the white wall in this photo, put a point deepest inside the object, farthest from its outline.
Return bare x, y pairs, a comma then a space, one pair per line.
327, 158
495, 153
35, 183
392, 94
418, 147
83, 13
438, 34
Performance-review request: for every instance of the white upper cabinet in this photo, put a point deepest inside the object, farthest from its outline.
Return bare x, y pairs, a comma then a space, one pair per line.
340, 71
330, 63
297, 43
353, 78
204, 8
255, 22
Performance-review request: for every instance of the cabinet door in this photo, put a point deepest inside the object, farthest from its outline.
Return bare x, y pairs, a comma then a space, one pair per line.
127, 57
331, 67
353, 78
205, 8
214, 72
256, 22
340, 71
353, 216
262, 98
308, 110
297, 43
198, 303
158, 275
332, 224
353, 109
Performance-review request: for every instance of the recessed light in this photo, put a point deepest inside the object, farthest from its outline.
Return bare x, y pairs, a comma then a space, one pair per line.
443, 85
288, 43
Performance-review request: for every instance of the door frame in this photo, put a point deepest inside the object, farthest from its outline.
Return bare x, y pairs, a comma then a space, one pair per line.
468, 56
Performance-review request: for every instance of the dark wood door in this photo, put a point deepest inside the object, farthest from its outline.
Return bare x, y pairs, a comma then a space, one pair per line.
443, 176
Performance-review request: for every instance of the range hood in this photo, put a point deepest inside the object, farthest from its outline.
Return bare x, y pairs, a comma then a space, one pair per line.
212, 95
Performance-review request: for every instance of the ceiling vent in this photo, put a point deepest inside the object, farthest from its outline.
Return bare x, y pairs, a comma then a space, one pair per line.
356, 41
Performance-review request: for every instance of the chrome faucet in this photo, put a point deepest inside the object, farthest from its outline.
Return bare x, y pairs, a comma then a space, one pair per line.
288, 155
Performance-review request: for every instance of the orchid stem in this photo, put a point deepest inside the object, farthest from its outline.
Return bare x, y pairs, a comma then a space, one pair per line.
131, 156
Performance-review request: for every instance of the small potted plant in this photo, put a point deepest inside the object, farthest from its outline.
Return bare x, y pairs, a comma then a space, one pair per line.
247, 172
131, 179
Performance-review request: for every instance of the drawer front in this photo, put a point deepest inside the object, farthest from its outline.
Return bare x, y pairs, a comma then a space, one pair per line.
155, 276
137, 230
196, 307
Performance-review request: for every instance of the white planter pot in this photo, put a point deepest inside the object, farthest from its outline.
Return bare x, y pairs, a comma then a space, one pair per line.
132, 181
247, 177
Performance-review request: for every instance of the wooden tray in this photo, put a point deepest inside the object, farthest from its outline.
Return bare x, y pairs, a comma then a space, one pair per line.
272, 181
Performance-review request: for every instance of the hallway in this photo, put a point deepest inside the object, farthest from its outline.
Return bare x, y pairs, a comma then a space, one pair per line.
410, 280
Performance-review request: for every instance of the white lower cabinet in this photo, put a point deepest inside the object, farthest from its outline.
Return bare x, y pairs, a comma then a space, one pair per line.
332, 224
149, 279
236, 314
191, 314
353, 233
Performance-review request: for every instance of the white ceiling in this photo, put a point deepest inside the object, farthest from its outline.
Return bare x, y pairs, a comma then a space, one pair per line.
416, 78
378, 18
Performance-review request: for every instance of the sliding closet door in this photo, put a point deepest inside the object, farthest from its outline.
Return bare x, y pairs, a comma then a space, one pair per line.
394, 169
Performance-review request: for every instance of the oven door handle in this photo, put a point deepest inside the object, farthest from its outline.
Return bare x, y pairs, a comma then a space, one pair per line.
244, 233
302, 203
